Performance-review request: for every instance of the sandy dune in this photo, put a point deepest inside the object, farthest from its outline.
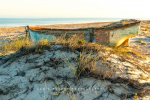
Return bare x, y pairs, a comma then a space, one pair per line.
47, 74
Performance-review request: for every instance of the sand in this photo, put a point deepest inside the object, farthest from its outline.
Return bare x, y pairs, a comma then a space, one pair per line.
25, 76
6, 32
144, 36
10, 33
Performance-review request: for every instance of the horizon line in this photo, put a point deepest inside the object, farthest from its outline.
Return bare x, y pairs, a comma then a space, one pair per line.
73, 17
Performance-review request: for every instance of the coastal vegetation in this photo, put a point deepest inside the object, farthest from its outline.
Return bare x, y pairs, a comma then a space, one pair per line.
121, 68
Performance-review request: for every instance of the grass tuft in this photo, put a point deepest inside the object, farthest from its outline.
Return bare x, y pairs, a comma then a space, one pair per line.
23, 44
81, 41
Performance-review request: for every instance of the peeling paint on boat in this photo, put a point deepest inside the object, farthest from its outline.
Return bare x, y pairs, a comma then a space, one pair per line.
113, 36
37, 34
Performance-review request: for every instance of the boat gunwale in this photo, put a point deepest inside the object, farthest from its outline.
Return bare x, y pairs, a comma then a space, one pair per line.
38, 28
53, 33
86, 29
116, 28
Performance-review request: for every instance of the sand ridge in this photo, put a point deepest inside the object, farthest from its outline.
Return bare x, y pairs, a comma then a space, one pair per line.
25, 77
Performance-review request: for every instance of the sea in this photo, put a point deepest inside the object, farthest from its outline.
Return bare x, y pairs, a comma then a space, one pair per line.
17, 22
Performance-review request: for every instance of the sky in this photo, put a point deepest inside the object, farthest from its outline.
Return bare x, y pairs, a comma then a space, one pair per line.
74, 8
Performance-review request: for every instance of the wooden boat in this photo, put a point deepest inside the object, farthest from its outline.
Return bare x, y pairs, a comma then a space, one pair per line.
117, 36
37, 33
110, 35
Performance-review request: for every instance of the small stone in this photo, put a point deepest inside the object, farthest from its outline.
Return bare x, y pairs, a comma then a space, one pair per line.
21, 73
1, 91
55, 47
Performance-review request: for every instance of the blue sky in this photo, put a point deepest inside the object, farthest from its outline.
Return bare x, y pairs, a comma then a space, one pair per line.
75, 8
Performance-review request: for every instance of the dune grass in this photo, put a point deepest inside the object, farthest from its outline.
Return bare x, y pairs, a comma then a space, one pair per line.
25, 42
15, 45
73, 40
87, 64
98, 66
22, 44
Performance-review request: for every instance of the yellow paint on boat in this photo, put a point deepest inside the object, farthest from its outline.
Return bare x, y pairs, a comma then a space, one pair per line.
124, 41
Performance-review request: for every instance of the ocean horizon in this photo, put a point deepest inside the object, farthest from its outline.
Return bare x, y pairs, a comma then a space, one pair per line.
18, 22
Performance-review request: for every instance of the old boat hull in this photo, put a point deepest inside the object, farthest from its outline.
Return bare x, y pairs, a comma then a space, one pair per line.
36, 34
116, 36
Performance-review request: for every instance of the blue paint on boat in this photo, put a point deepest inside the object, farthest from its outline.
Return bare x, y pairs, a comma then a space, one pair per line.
36, 37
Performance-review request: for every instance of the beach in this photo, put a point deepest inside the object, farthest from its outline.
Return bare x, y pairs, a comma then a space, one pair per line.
77, 72
11, 33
